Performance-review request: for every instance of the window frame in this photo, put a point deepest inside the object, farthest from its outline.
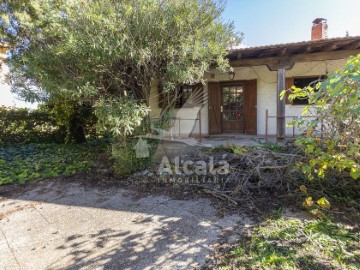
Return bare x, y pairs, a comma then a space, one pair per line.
181, 100
290, 81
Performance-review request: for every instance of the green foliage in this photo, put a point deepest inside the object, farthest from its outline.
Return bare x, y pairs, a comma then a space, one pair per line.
315, 208
287, 243
165, 121
50, 123
95, 52
275, 147
29, 162
337, 102
229, 148
70, 115
348, 197
125, 159
120, 116
24, 126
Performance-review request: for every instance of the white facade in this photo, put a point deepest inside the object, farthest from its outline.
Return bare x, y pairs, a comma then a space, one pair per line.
266, 94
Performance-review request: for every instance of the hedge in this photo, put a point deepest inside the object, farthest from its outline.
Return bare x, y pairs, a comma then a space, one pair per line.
19, 125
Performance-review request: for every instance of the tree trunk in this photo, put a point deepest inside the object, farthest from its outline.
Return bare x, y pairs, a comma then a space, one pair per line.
77, 130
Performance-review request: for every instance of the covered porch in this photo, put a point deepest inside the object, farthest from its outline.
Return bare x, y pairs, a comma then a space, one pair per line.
281, 59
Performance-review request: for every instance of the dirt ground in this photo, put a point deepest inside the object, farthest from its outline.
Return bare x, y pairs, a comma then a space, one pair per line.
68, 224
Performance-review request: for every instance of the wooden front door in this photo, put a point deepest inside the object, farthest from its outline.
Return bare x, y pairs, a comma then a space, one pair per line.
233, 108
250, 107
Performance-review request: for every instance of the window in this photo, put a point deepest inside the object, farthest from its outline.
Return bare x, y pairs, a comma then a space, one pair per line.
302, 82
184, 95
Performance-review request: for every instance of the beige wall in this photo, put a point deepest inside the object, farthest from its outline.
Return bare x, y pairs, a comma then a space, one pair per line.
186, 125
266, 94
267, 84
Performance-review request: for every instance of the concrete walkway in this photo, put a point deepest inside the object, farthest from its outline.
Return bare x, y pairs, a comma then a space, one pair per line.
68, 226
188, 146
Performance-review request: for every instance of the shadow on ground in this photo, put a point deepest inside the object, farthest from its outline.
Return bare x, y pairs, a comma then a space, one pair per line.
54, 225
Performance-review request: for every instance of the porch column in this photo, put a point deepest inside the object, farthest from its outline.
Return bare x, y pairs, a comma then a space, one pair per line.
280, 105
282, 65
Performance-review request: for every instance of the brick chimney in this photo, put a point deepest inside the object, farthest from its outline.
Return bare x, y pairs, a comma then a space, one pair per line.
319, 29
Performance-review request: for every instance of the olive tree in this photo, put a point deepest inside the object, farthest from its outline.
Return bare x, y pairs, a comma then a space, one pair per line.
108, 52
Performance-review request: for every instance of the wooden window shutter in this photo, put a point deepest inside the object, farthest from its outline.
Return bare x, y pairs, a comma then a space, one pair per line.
289, 82
214, 92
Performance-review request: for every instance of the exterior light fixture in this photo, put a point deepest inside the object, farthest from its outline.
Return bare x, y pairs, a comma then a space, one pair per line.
231, 75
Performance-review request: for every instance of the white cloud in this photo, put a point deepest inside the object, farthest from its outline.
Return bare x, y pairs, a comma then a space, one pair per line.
240, 46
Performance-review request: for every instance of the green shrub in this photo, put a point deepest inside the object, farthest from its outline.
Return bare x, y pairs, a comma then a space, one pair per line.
120, 116
77, 119
18, 125
127, 160
334, 153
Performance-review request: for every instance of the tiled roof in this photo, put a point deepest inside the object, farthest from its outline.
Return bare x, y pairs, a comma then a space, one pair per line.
311, 46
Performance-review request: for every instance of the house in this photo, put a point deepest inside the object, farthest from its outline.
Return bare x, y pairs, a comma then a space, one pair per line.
247, 101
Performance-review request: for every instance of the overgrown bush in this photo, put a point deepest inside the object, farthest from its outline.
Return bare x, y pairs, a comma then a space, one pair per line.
50, 123
18, 125
124, 117
334, 151
78, 120
120, 116
133, 154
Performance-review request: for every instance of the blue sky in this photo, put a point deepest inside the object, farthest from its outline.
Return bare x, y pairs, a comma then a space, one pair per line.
267, 22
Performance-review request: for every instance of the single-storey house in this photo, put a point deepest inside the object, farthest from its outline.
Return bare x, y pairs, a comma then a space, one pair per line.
247, 100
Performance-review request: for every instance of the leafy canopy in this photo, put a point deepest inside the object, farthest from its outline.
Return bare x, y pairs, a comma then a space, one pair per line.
91, 51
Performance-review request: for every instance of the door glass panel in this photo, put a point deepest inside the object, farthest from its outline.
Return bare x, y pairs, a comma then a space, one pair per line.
226, 97
233, 101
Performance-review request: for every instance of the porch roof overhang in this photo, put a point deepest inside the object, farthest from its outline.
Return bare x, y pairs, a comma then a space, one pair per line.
281, 57
287, 54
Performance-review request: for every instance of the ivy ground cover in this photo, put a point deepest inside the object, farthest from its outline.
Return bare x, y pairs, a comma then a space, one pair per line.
29, 162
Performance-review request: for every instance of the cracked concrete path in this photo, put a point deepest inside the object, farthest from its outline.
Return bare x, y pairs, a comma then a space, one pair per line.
69, 226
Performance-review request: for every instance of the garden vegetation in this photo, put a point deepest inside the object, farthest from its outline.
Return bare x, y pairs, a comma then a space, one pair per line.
106, 55
92, 64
